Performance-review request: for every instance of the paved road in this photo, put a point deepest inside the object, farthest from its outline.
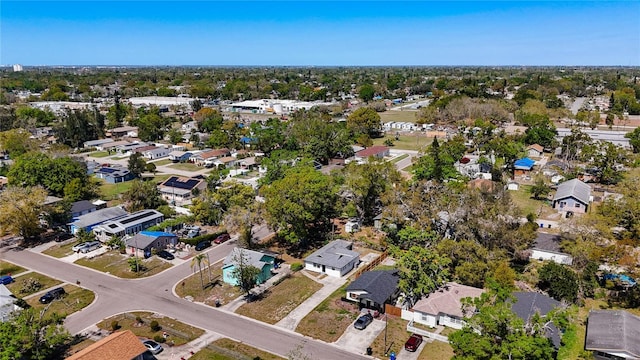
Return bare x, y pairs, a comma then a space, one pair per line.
114, 295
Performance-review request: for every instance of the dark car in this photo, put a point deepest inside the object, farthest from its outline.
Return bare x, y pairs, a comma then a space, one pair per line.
222, 238
203, 245
363, 321
6, 279
52, 295
165, 255
413, 343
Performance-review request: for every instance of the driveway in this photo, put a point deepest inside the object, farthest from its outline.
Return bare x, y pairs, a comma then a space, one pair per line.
358, 341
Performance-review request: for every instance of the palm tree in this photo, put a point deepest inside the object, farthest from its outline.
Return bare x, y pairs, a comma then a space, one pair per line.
197, 260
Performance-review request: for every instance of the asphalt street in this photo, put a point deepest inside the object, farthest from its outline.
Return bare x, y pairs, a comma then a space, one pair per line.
115, 295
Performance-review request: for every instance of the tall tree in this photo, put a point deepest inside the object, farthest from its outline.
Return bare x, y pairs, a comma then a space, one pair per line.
28, 335
137, 164
198, 260
634, 139
78, 126
364, 121
20, 209
142, 195
421, 272
244, 272
16, 142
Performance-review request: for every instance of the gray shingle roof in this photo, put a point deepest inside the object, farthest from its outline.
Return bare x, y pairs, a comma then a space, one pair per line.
548, 242
99, 216
82, 205
573, 188
529, 303
379, 284
613, 331
335, 254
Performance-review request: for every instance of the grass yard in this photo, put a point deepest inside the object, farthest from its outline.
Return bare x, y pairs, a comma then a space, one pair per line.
46, 282
114, 263
401, 157
436, 350
99, 154
78, 346
398, 116
162, 162
186, 167
7, 268
60, 250
281, 299
522, 198
180, 333
76, 299
227, 349
416, 141
112, 191
329, 319
214, 289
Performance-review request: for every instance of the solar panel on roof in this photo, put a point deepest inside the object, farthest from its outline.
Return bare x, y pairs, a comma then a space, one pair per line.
187, 185
107, 170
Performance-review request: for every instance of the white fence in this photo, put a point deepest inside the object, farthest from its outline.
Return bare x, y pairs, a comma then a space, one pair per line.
426, 333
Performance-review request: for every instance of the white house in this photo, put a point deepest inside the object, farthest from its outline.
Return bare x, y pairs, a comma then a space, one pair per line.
7, 303
444, 306
547, 247
156, 153
334, 259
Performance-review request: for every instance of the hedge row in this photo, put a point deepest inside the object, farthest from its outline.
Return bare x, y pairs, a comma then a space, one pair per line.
205, 237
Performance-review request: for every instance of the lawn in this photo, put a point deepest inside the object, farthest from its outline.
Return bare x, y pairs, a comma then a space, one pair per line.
180, 333
398, 116
7, 268
528, 205
329, 319
186, 167
401, 157
278, 301
112, 191
416, 141
76, 299
60, 250
45, 282
227, 349
436, 350
214, 289
112, 262
162, 162
99, 154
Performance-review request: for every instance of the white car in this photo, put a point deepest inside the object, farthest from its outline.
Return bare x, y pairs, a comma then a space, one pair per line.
90, 246
153, 346
78, 247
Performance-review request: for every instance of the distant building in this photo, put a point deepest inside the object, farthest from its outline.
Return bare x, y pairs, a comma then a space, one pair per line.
94, 218
123, 131
180, 190
535, 151
523, 166
547, 247
146, 241
17, 68
114, 175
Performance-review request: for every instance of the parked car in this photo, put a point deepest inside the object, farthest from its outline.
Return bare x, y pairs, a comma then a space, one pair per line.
77, 247
153, 346
413, 343
222, 238
52, 295
90, 246
165, 255
363, 321
203, 245
6, 279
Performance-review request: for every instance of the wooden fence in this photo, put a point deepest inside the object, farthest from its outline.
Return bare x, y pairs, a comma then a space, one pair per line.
392, 310
370, 265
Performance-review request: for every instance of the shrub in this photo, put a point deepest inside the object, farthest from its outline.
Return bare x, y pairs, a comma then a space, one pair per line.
114, 325
296, 267
159, 339
155, 326
139, 320
197, 239
30, 285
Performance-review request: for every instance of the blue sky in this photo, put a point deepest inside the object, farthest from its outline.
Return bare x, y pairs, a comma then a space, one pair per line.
320, 33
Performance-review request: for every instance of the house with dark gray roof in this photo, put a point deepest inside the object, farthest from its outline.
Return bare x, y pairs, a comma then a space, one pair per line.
146, 241
335, 259
530, 303
572, 195
129, 224
114, 174
613, 334
547, 247
375, 288
82, 207
95, 218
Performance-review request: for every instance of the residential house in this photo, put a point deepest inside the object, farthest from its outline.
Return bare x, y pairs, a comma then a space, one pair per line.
94, 218
82, 207
335, 259
572, 195
129, 224
114, 174
484, 185
122, 345
179, 156
180, 190
97, 143
547, 247
7, 303
156, 153
207, 158
535, 151
112, 146
513, 185
374, 289
145, 241
225, 162
189, 126
123, 131
264, 262
523, 166
444, 306
248, 163
613, 334
529, 303
377, 152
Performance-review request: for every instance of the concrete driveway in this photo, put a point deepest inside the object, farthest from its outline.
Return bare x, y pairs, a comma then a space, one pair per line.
359, 340
408, 355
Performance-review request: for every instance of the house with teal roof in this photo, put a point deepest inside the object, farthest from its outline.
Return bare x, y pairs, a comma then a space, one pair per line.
264, 262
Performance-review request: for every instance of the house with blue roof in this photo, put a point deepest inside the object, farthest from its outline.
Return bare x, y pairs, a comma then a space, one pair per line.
145, 241
114, 174
523, 166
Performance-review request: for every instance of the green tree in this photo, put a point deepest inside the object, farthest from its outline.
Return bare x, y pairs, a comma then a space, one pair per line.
367, 91
634, 139
300, 205
469, 260
541, 132
54, 174
560, 281
16, 142
540, 189
28, 335
625, 212
244, 272
175, 135
422, 271
151, 127
437, 163
142, 195
20, 208
198, 261
137, 164
364, 121
241, 219
78, 126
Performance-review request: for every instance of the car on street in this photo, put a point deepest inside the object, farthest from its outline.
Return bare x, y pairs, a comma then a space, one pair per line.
90, 246
153, 346
203, 245
363, 321
6, 279
413, 343
165, 255
222, 238
52, 295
